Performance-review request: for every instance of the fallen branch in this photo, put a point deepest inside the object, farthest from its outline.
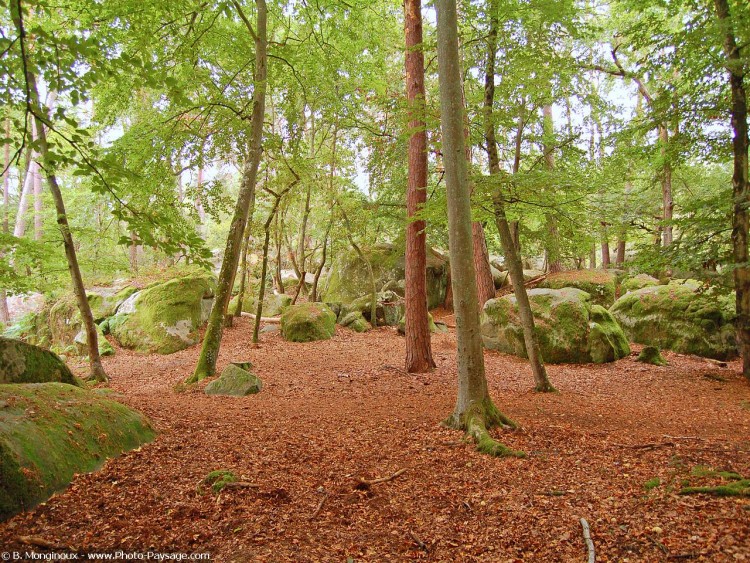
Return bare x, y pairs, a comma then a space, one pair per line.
417, 541
269, 320
240, 485
364, 483
37, 541
658, 544
650, 446
319, 507
588, 540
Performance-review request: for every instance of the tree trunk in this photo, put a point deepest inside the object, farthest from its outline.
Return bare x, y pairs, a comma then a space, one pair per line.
666, 187
38, 219
592, 258
605, 248
620, 253
92, 340
243, 267
418, 346
554, 263
512, 258
485, 281
212, 339
740, 187
4, 314
264, 267
474, 411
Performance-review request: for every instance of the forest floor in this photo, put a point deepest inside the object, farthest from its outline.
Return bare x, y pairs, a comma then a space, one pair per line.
614, 446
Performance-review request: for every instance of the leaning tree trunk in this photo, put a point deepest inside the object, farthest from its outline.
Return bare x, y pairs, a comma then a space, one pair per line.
512, 257
418, 346
474, 411
319, 269
212, 339
740, 187
485, 281
92, 340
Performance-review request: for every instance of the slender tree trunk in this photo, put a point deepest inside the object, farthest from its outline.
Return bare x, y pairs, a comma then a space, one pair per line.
302, 241
92, 340
620, 253
474, 411
485, 281
512, 258
26, 193
554, 263
592, 258
38, 219
212, 339
605, 248
4, 313
243, 270
368, 264
740, 185
666, 187
264, 267
418, 346
319, 270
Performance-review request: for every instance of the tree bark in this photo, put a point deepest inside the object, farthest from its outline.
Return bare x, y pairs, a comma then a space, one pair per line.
512, 257
620, 253
474, 411
418, 346
212, 340
740, 187
666, 187
485, 281
554, 263
4, 313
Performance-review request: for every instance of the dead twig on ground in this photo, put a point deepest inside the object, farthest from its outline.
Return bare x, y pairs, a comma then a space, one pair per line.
657, 543
366, 484
38, 541
588, 540
240, 485
319, 507
417, 541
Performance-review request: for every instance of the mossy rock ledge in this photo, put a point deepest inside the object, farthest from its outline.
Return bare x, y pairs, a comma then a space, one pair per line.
273, 304
51, 431
680, 316
600, 284
235, 382
307, 322
570, 328
164, 318
24, 363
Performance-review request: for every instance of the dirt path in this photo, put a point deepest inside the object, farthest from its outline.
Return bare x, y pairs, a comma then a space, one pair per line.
332, 412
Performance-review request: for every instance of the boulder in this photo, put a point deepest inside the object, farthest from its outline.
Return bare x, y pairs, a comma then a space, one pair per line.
165, 317
651, 355
389, 308
501, 278
82, 346
680, 316
349, 277
570, 328
104, 301
430, 322
307, 322
600, 284
273, 304
356, 321
530, 274
638, 282
234, 381
51, 431
24, 363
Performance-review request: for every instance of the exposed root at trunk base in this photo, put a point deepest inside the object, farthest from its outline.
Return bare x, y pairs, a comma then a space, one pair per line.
545, 388
476, 422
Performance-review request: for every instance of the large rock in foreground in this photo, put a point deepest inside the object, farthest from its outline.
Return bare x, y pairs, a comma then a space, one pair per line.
349, 278
51, 431
166, 317
234, 381
570, 328
681, 317
24, 363
600, 284
307, 322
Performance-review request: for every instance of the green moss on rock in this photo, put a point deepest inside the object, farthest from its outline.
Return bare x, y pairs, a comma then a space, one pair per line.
356, 321
638, 282
430, 323
681, 317
307, 322
24, 363
600, 284
234, 381
273, 304
651, 355
166, 317
569, 328
51, 431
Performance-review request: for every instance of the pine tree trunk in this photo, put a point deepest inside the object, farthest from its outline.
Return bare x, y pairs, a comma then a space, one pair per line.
418, 346
474, 411
620, 253
605, 249
512, 257
740, 186
212, 340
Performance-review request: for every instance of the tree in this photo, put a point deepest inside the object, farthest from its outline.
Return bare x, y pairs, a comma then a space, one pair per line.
474, 412
418, 348
740, 187
212, 340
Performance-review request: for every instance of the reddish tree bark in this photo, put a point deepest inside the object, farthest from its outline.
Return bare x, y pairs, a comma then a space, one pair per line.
418, 347
485, 282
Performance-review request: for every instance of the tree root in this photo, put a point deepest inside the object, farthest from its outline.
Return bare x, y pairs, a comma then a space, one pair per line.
476, 422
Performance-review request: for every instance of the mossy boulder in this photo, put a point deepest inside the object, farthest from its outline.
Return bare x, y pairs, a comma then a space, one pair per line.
273, 304
82, 346
349, 277
234, 381
651, 355
530, 274
25, 363
104, 301
570, 328
356, 321
51, 431
638, 282
389, 308
164, 318
500, 278
600, 284
307, 322
681, 316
